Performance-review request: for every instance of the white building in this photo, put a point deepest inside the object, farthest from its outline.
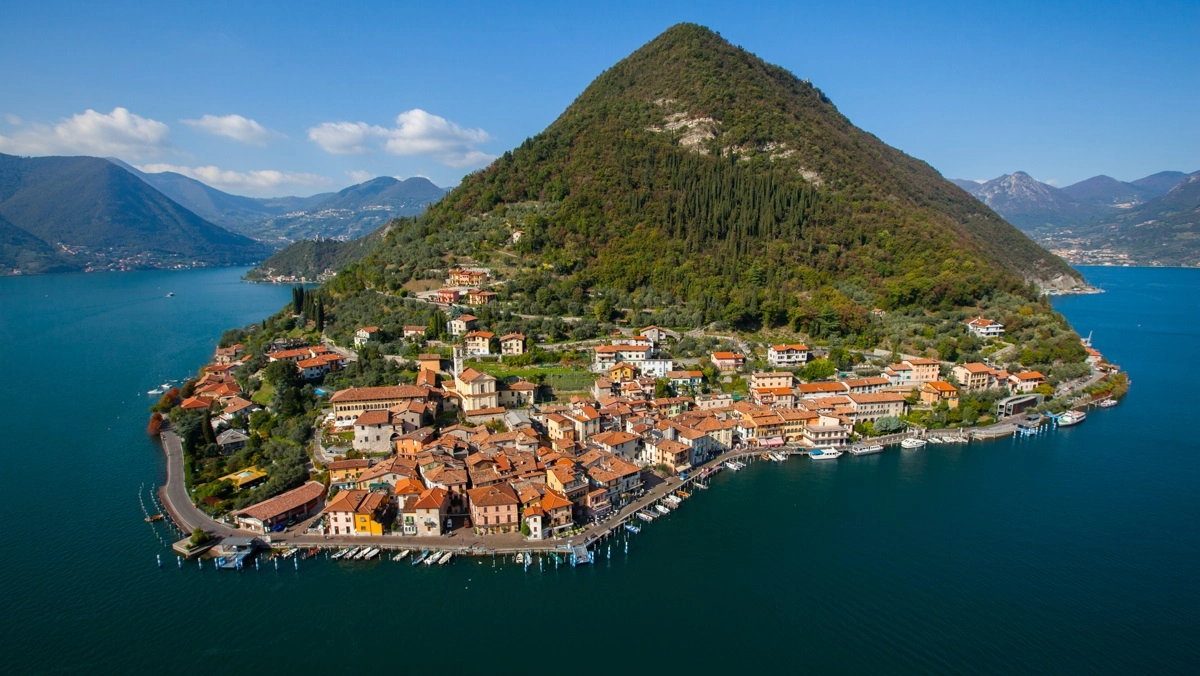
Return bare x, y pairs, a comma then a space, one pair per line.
787, 356
985, 328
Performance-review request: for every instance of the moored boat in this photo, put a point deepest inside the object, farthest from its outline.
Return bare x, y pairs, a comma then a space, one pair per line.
825, 453
446, 558
662, 509
1108, 403
912, 442
421, 557
1071, 418
403, 553
863, 449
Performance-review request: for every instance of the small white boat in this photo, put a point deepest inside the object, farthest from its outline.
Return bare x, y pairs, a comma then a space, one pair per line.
371, 553
433, 558
170, 294
445, 558
825, 453
863, 449
338, 554
662, 509
1108, 403
520, 557
912, 442
155, 392
935, 440
403, 553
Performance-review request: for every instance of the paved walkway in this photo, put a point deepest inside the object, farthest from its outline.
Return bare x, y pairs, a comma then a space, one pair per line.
174, 494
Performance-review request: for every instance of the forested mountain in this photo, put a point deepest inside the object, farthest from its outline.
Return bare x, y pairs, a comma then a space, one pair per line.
693, 174
312, 259
88, 213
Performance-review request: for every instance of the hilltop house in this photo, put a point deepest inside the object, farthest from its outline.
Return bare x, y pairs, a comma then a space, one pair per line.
365, 334
461, 324
985, 328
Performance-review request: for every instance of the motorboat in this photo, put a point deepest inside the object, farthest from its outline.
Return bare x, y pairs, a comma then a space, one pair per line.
863, 449
825, 454
912, 442
1071, 418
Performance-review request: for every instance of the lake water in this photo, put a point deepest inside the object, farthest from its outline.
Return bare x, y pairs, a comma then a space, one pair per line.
1073, 552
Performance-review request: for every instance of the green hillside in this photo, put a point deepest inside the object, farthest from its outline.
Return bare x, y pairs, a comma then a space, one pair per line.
693, 174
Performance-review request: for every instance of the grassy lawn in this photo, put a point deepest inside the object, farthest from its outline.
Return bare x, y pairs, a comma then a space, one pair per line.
556, 376
263, 396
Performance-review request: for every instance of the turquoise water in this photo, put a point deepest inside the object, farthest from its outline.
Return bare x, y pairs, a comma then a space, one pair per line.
1073, 552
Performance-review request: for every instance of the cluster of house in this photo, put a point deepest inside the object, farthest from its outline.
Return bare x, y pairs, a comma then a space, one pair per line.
217, 388
313, 361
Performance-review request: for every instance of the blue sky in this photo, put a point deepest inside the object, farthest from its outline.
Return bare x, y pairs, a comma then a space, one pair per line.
265, 98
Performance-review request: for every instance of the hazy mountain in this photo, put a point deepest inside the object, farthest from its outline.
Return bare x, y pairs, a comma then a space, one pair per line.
278, 221
1029, 204
970, 186
1105, 191
349, 213
95, 214
1163, 231
1160, 183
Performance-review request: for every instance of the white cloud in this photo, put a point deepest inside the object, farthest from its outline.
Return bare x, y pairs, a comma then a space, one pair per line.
235, 127
416, 133
345, 138
1051, 181
360, 176
14, 120
120, 133
262, 182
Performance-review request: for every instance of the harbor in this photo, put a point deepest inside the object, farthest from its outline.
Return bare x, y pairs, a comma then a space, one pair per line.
620, 527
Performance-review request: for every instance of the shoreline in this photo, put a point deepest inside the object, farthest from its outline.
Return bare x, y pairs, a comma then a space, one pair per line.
464, 543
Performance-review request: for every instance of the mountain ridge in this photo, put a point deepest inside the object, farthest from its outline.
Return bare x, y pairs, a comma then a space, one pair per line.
278, 221
93, 214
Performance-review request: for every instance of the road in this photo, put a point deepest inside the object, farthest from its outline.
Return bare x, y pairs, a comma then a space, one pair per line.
174, 494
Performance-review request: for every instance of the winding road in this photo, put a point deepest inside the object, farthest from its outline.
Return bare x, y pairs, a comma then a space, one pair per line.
174, 494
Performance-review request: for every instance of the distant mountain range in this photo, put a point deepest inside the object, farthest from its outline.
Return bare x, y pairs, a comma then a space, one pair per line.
60, 214
278, 221
350, 213
1151, 221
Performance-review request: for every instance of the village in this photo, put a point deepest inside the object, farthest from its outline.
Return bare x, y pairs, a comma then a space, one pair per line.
462, 451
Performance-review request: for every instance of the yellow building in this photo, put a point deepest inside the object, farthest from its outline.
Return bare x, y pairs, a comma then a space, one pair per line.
245, 477
344, 472
356, 513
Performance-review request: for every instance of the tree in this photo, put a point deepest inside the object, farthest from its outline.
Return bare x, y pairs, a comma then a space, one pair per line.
199, 537
819, 369
662, 388
155, 425
281, 374
604, 310
889, 425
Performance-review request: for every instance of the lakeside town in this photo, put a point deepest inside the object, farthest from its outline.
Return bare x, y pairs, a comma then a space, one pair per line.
468, 450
